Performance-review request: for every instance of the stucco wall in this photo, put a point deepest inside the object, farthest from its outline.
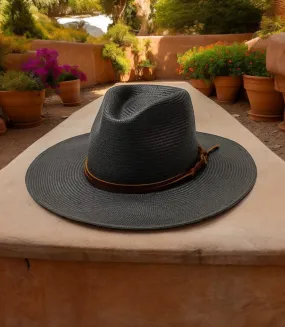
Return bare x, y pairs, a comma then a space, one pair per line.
164, 49
68, 294
87, 56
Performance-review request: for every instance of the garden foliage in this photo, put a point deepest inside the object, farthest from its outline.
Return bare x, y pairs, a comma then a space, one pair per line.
17, 19
208, 16
55, 8
46, 67
120, 37
20, 81
221, 59
270, 26
116, 54
255, 63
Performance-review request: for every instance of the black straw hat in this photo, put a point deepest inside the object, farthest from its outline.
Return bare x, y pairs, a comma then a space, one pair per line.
143, 166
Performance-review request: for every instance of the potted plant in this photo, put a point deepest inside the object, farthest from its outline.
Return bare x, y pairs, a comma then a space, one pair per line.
22, 96
145, 65
122, 45
69, 85
265, 102
121, 64
147, 68
65, 79
193, 64
226, 68
17, 52
45, 66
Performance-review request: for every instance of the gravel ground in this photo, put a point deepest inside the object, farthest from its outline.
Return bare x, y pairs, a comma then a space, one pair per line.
267, 132
15, 141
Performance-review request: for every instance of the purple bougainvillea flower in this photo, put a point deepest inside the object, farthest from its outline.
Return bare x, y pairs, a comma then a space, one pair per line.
41, 72
46, 67
47, 54
74, 71
83, 77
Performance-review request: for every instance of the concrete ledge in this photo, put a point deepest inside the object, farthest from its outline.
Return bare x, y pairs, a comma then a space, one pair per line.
66, 294
250, 234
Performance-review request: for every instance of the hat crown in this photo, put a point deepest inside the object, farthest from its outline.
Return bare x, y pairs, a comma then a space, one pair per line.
143, 134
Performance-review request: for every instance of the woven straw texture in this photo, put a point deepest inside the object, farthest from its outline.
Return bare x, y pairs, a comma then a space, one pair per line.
158, 135
138, 130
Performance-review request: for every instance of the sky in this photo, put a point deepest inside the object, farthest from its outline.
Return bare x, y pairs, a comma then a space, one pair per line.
100, 22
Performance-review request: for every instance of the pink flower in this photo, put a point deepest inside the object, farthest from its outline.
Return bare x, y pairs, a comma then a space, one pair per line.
46, 67
73, 72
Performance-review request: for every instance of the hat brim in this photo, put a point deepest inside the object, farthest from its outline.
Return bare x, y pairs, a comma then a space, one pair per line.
57, 182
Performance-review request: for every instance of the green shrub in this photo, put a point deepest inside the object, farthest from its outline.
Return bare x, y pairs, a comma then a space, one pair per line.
271, 25
229, 16
17, 19
16, 44
70, 35
146, 63
19, 81
120, 38
255, 63
262, 4
52, 8
117, 56
194, 63
112, 51
55, 8
214, 60
121, 35
227, 60
208, 16
52, 30
130, 16
79, 7
122, 65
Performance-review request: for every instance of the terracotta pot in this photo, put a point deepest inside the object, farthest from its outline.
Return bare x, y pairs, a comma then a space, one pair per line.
23, 109
123, 78
280, 87
148, 74
69, 93
227, 87
266, 104
15, 61
3, 127
205, 87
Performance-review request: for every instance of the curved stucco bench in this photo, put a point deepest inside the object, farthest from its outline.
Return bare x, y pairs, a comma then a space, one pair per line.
225, 272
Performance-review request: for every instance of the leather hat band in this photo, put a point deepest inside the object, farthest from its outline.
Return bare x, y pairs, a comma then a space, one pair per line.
152, 187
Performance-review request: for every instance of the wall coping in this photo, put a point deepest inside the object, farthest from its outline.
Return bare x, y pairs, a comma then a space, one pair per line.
250, 234
221, 36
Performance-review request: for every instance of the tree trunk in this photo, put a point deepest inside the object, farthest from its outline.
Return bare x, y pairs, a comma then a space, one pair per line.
279, 7
118, 10
143, 13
